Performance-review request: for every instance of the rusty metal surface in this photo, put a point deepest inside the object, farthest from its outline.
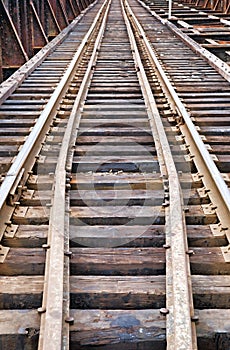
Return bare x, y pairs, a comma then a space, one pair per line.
217, 5
180, 332
16, 79
51, 330
28, 25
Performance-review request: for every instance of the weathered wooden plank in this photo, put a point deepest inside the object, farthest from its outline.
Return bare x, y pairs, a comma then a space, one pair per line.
26, 236
131, 292
21, 261
19, 329
21, 292
95, 197
113, 292
121, 180
5, 163
117, 292
104, 148
12, 140
111, 329
211, 292
146, 261
114, 261
131, 236
140, 329
113, 215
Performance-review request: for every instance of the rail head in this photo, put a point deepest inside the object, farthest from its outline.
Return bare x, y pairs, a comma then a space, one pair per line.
180, 330
211, 176
52, 332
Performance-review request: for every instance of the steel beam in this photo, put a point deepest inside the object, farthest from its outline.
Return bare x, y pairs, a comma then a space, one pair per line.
60, 13
216, 5
13, 54
27, 25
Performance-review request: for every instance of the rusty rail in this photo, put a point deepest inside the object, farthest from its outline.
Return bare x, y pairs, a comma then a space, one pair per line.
211, 176
53, 335
180, 331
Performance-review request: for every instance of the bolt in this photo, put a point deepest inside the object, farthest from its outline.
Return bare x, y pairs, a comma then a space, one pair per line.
23, 331
68, 186
41, 310
46, 246
190, 252
164, 311
8, 223
69, 320
166, 246
69, 254
195, 318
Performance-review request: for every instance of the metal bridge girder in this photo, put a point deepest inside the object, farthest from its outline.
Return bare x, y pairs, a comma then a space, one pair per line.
60, 12
216, 5
27, 25
12, 52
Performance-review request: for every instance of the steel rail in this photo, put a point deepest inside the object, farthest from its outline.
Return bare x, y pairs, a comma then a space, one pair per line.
181, 333
51, 337
211, 177
24, 160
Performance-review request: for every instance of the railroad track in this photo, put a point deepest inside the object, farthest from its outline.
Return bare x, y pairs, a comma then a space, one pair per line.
115, 220
210, 28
